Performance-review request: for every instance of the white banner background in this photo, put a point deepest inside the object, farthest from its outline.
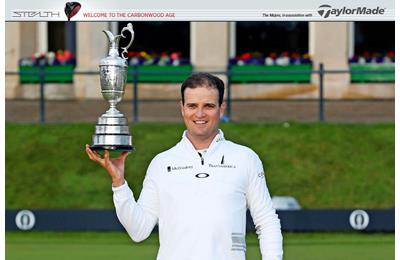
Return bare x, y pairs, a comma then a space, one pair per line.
205, 10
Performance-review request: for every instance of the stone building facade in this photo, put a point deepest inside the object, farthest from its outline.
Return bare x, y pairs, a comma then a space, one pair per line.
210, 48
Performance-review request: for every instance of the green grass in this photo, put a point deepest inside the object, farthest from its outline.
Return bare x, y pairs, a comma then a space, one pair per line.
117, 245
322, 165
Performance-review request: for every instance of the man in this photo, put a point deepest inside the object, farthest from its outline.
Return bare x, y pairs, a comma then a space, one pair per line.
199, 190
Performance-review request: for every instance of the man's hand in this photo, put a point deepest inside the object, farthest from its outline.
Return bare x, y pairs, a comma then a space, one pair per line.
114, 166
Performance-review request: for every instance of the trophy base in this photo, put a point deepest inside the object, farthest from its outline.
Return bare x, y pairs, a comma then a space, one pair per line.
113, 142
112, 133
118, 148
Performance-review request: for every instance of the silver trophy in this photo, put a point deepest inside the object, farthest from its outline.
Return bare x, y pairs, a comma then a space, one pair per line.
112, 130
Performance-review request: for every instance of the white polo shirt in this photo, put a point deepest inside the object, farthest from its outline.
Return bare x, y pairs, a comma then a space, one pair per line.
199, 202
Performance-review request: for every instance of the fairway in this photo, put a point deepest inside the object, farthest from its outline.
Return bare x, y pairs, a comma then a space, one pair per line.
117, 245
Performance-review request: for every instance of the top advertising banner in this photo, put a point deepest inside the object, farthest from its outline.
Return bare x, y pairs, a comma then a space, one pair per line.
206, 10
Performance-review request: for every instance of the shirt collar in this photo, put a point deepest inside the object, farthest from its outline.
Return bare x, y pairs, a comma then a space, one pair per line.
219, 137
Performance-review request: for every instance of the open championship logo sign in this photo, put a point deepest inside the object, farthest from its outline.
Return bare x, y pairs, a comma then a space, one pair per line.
25, 220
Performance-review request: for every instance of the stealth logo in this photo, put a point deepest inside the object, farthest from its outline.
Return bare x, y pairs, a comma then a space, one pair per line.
326, 10
34, 14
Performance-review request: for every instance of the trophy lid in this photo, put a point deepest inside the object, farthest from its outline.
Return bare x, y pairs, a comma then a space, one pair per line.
113, 58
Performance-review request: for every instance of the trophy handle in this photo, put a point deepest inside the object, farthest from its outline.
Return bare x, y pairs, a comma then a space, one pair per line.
125, 49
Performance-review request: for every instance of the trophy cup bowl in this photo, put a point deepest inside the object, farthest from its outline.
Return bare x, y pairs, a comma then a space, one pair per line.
112, 130
113, 80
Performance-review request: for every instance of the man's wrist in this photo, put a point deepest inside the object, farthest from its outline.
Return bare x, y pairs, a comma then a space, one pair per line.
118, 182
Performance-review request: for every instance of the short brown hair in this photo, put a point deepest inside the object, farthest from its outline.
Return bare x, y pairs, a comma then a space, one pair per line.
203, 79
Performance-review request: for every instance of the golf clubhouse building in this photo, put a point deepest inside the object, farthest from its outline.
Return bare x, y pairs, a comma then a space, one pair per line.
261, 60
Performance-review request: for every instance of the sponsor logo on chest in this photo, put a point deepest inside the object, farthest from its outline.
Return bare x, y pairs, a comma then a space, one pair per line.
179, 168
221, 165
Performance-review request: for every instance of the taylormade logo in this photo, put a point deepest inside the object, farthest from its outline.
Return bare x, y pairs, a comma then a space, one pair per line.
326, 10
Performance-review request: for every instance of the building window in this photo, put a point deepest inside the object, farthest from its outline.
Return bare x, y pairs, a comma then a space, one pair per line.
270, 47
56, 36
372, 50
61, 36
160, 51
156, 38
373, 37
266, 37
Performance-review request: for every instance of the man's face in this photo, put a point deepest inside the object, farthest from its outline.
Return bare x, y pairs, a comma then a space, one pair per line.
201, 112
